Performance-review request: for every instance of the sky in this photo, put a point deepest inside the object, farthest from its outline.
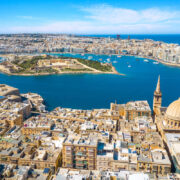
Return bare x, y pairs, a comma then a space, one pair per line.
90, 16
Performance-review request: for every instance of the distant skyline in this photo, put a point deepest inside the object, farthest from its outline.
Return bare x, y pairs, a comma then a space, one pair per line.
90, 17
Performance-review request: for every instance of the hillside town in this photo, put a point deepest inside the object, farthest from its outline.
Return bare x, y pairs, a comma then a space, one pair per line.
127, 141
59, 43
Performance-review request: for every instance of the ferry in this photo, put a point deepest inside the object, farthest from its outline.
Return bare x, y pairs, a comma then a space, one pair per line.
146, 60
155, 62
129, 66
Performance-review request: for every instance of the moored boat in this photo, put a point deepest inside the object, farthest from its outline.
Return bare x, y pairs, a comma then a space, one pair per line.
146, 60
155, 62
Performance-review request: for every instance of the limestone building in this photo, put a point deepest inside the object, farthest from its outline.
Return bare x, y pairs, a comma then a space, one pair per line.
6, 90
79, 153
168, 125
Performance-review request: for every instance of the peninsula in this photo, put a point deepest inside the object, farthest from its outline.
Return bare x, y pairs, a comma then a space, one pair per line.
46, 64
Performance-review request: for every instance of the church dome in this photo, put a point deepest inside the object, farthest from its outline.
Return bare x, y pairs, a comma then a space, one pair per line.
173, 110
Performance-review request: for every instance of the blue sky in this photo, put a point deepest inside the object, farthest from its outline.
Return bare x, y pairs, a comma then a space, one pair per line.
90, 17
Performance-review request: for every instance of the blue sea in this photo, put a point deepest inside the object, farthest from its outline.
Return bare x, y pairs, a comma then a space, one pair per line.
168, 38
88, 91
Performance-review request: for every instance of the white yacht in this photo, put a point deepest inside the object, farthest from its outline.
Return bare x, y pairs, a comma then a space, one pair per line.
146, 60
155, 62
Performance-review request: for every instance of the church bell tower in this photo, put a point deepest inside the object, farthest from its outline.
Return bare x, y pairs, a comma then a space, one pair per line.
157, 101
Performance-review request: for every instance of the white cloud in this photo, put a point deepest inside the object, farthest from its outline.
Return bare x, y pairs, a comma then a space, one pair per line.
103, 19
113, 15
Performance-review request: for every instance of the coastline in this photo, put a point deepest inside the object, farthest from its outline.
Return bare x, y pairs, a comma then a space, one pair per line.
158, 60
114, 71
155, 59
167, 63
91, 70
94, 71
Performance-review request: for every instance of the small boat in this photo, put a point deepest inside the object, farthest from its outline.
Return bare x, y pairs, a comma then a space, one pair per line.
118, 56
108, 59
100, 59
129, 66
82, 54
146, 60
114, 61
137, 59
155, 62
90, 57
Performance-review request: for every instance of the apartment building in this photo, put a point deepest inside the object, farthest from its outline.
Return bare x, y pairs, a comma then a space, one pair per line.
79, 152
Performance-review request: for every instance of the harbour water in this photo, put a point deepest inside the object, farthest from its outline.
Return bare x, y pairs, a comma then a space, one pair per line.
88, 91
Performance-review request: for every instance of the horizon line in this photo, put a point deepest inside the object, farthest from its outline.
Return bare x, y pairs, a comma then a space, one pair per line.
92, 33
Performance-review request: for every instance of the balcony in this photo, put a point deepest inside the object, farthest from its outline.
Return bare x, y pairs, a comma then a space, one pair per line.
80, 167
81, 162
80, 154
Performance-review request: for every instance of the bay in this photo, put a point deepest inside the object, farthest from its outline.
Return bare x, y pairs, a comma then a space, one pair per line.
89, 91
